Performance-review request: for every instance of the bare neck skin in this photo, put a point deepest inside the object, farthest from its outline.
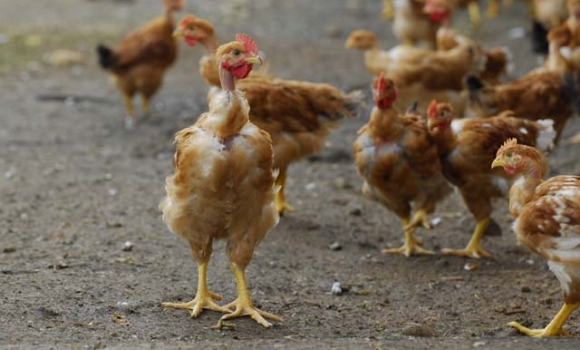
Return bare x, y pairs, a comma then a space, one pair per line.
227, 79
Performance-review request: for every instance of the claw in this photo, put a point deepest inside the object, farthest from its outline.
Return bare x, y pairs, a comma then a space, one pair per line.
469, 252
199, 303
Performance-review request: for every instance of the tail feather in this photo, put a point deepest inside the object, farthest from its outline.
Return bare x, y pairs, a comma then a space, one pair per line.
473, 84
539, 38
106, 57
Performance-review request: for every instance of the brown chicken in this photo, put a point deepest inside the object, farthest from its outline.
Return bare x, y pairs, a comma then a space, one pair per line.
547, 222
467, 147
434, 70
568, 35
223, 185
412, 26
398, 161
497, 60
299, 116
138, 63
546, 14
547, 92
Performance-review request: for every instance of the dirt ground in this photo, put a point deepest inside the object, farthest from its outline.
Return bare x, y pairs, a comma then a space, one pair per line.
75, 186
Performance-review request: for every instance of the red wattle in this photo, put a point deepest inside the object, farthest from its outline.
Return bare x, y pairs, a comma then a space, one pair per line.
190, 41
242, 71
438, 16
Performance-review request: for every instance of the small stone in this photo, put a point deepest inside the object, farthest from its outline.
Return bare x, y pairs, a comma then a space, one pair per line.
336, 288
436, 221
417, 330
8, 249
341, 183
311, 186
112, 192
335, 246
127, 246
122, 304
9, 174
108, 176
477, 344
526, 289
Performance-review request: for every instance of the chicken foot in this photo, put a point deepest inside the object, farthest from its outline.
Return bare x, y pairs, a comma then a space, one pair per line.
243, 304
280, 201
130, 118
204, 299
474, 15
492, 8
412, 245
473, 249
420, 218
388, 10
554, 328
145, 105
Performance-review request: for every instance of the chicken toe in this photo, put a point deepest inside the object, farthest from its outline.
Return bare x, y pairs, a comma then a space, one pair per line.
473, 249
243, 304
552, 329
411, 246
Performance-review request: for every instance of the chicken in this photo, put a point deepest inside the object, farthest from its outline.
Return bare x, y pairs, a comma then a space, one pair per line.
497, 60
467, 147
138, 63
546, 14
434, 70
411, 25
398, 161
547, 222
299, 116
542, 93
223, 185
569, 35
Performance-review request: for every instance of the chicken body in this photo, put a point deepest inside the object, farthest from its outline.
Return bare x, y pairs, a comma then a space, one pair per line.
411, 25
139, 62
223, 188
547, 222
537, 95
467, 147
398, 161
298, 115
434, 70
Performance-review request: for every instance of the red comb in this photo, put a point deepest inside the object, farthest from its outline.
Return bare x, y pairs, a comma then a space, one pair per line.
248, 42
432, 109
381, 82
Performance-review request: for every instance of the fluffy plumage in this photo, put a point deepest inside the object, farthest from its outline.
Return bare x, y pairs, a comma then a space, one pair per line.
398, 161
547, 222
138, 63
223, 185
467, 147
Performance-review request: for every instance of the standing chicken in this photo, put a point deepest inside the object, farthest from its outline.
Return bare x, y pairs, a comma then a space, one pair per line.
223, 186
547, 222
398, 161
467, 147
138, 63
298, 115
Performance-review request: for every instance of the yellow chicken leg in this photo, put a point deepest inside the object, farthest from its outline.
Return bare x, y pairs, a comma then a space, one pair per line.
574, 139
492, 8
204, 299
420, 218
388, 10
145, 105
130, 118
552, 329
473, 249
411, 246
474, 15
243, 304
281, 204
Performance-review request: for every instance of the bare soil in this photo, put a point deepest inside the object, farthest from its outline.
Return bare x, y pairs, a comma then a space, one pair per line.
75, 186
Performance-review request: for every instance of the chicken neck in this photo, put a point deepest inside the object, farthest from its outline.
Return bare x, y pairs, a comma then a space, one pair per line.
524, 187
385, 124
445, 140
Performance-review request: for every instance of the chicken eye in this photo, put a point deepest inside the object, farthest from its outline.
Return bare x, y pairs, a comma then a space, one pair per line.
236, 52
509, 154
192, 28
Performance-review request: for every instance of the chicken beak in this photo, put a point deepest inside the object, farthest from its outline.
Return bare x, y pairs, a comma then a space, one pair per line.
497, 163
254, 60
178, 33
